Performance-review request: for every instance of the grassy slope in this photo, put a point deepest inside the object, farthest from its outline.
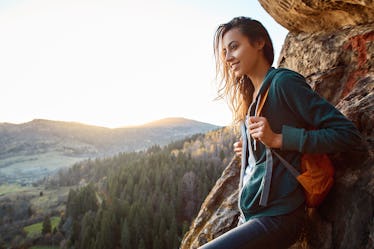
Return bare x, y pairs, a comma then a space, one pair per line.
35, 230
51, 200
10, 188
29, 168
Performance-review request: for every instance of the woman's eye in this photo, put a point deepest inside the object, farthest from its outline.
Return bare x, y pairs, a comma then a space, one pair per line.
233, 46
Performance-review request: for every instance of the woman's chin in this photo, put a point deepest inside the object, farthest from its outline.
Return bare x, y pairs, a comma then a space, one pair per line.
238, 74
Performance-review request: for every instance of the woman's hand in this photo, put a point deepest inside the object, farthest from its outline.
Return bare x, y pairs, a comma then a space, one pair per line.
238, 148
260, 129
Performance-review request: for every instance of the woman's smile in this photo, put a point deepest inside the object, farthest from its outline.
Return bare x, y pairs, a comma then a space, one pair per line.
235, 66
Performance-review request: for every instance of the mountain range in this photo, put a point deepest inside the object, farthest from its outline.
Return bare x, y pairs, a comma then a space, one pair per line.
36, 149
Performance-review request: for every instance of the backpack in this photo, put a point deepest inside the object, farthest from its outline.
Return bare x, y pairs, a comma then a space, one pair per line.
317, 171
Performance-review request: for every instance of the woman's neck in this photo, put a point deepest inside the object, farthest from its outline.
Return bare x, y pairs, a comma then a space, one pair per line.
258, 77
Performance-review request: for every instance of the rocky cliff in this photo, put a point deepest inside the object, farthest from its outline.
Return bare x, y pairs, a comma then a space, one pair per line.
332, 44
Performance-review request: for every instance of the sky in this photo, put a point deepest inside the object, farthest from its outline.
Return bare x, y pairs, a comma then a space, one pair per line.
115, 63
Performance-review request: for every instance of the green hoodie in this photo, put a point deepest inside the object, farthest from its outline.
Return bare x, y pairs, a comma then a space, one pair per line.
290, 108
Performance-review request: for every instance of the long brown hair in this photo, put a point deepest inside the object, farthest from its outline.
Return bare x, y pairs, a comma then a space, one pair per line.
239, 91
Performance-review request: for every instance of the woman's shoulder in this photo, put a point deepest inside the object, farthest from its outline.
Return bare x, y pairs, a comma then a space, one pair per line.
286, 78
283, 74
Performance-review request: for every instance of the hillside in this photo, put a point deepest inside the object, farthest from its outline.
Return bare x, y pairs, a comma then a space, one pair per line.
33, 150
100, 202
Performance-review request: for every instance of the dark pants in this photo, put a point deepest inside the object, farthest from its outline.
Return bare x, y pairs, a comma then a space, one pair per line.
272, 232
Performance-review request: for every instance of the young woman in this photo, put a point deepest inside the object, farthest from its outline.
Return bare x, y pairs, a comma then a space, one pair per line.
274, 217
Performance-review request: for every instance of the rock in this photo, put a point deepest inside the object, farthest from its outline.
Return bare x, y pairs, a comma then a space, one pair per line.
337, 62
315, 15
219, 212
339, 66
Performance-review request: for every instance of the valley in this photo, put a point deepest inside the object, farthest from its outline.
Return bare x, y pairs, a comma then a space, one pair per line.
162, 184
32, 151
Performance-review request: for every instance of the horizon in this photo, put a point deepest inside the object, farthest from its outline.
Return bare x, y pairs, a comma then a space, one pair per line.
119, 127
114, 63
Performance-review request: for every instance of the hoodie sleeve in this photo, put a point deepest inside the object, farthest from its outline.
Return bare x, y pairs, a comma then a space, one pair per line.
330, 130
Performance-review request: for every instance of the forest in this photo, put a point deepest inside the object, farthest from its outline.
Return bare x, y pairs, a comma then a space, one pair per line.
144, 200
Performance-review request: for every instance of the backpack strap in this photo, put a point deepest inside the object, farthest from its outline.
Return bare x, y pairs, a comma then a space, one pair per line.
269, 158
244, 153
261, 102
288, 166
245, 136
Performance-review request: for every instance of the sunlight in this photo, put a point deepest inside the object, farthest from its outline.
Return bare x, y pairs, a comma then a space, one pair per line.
108, 63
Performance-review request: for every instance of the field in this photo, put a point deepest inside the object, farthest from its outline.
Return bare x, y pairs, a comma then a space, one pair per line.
40, 198
35, 230
27, 169
28, 205
10, 188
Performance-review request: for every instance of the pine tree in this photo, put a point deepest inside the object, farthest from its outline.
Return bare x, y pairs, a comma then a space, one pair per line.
222, 155
125, 236
156, 242
2, 243
105, 236
47, 226
87, 238
162, 232
173, 233
185, 228
141, 244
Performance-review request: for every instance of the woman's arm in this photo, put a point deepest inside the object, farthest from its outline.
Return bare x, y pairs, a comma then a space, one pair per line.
330, 131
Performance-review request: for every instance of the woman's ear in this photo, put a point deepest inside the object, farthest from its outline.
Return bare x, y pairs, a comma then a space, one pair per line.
260, 44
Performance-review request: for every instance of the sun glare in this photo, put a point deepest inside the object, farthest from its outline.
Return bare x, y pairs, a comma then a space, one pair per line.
108, 63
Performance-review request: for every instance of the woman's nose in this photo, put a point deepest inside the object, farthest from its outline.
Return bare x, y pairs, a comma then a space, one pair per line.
228, 57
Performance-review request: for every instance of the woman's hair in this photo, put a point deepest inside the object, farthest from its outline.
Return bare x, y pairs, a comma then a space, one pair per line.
239, 91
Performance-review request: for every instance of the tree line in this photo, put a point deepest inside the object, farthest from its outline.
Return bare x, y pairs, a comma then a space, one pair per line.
143, 200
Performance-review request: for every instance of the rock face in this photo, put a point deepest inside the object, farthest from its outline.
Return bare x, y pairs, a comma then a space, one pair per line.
316, 15
219, 212
337, 61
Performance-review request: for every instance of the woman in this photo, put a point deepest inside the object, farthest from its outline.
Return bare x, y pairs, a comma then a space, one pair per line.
271, 218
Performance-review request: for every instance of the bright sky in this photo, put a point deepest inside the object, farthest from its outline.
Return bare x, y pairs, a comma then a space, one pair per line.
114, 63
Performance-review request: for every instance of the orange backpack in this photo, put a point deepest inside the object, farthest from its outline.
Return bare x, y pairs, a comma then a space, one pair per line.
316, 177
317, 172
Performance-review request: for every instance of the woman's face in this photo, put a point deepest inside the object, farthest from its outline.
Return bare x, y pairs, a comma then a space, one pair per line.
239, 54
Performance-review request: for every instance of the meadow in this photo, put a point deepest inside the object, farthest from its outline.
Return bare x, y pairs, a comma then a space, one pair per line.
10, 188
35, 230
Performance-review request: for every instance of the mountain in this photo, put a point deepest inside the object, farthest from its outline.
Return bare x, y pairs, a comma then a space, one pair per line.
33, 150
